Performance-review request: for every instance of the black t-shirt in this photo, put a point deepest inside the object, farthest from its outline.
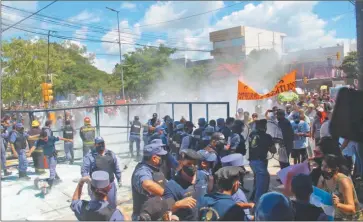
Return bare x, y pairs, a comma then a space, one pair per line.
259, 145
307, 212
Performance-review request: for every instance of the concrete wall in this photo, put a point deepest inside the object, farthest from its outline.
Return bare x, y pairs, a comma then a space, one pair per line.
265, 39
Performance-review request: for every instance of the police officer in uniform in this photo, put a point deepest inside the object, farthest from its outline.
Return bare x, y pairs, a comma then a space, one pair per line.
102, 159
180, 187
18, 143
207, 135
154, 121
47, 143
198, 133
88, 134
47, 127
274, 206
205, 179
237, 160
147, 180
177, 138
97, 209
135, 136
188, 141
220, 205
159, 133
259, 144
236, 143
145, 134
38, 155
68, 133
3, 143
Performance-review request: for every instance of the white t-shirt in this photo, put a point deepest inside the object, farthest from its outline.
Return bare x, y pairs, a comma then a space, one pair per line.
324, 130
350, 149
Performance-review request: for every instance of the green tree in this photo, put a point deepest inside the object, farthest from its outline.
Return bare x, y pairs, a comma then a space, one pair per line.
141, 68
350, 65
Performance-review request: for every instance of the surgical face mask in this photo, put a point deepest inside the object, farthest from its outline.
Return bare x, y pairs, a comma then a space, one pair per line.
189, 170
327, 175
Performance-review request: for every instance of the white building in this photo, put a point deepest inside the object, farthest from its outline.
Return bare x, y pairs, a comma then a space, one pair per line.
236, 43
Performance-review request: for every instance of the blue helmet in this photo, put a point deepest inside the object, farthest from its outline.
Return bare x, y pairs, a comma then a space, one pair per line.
270, 207
99, 140
202, 122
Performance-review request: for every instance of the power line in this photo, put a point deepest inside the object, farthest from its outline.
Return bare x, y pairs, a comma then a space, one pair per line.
105, 41
30, 15
190, 16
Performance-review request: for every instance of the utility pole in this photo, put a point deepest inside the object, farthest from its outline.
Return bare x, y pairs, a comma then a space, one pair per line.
120, 49
273, 40
1, 61
359, 23
47, 78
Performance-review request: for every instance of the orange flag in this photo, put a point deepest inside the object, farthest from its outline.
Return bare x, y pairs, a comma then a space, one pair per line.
287, 83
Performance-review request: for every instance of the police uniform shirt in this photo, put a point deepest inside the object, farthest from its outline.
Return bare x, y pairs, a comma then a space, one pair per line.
177, 189
142, 173
185, 144
240, 196
95, 205
259, 145
48, 146
234, 141
218, 206
89, 164
13, 136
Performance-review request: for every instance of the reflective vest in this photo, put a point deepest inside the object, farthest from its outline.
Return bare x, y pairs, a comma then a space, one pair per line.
88, 134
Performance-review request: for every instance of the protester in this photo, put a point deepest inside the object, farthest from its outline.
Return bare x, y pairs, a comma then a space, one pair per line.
345, 199
274, 206
302, 187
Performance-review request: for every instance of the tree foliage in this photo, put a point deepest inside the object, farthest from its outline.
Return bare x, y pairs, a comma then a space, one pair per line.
141, 68
350, 65
25, 68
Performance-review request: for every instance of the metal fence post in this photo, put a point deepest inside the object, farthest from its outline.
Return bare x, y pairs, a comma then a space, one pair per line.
190, 112
128, 122
158, 109
207, 112
97, 115
228, 110
172, 110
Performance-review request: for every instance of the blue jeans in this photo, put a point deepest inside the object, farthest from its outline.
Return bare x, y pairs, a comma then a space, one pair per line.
52, 163
68, 150
261, 178
134, 138
23, 162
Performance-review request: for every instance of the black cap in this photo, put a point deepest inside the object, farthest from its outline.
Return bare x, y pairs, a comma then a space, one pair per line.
229, 172
189, 124
190, 154
155, 207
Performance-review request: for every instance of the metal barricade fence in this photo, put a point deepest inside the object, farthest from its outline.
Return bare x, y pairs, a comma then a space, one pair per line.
113, 122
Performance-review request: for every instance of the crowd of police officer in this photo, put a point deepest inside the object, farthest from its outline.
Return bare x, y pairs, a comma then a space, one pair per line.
200, 170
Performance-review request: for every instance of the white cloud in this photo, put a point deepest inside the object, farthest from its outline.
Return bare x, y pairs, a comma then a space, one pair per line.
129, 36
128, 5
104, 64
85, 16
81, 33
337, 18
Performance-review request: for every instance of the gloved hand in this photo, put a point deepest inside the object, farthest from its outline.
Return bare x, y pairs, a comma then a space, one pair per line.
119, 184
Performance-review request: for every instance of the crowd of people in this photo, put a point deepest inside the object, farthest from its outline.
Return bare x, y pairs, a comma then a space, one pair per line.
186, 172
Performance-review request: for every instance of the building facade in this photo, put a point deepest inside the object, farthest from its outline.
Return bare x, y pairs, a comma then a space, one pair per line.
234, 44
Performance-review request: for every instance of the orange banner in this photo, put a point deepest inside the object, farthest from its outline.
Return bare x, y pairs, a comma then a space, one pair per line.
287, 83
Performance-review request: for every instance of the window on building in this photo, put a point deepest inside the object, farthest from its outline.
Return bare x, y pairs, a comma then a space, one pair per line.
229, 43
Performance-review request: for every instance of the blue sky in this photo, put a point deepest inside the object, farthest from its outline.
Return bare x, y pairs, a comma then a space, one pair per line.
307, 24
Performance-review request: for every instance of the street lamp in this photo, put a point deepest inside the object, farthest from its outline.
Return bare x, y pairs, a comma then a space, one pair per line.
119, 47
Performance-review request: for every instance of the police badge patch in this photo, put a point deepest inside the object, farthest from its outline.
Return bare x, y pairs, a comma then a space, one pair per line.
208, 214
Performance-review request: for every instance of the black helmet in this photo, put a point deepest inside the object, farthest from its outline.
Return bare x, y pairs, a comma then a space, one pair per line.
136, 118
274, 206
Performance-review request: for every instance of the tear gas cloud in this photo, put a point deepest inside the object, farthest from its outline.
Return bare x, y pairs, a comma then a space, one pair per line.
176, 87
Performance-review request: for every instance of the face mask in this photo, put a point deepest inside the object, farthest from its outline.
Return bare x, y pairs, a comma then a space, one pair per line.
327, 175
100, 148
189, 170
297, 121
